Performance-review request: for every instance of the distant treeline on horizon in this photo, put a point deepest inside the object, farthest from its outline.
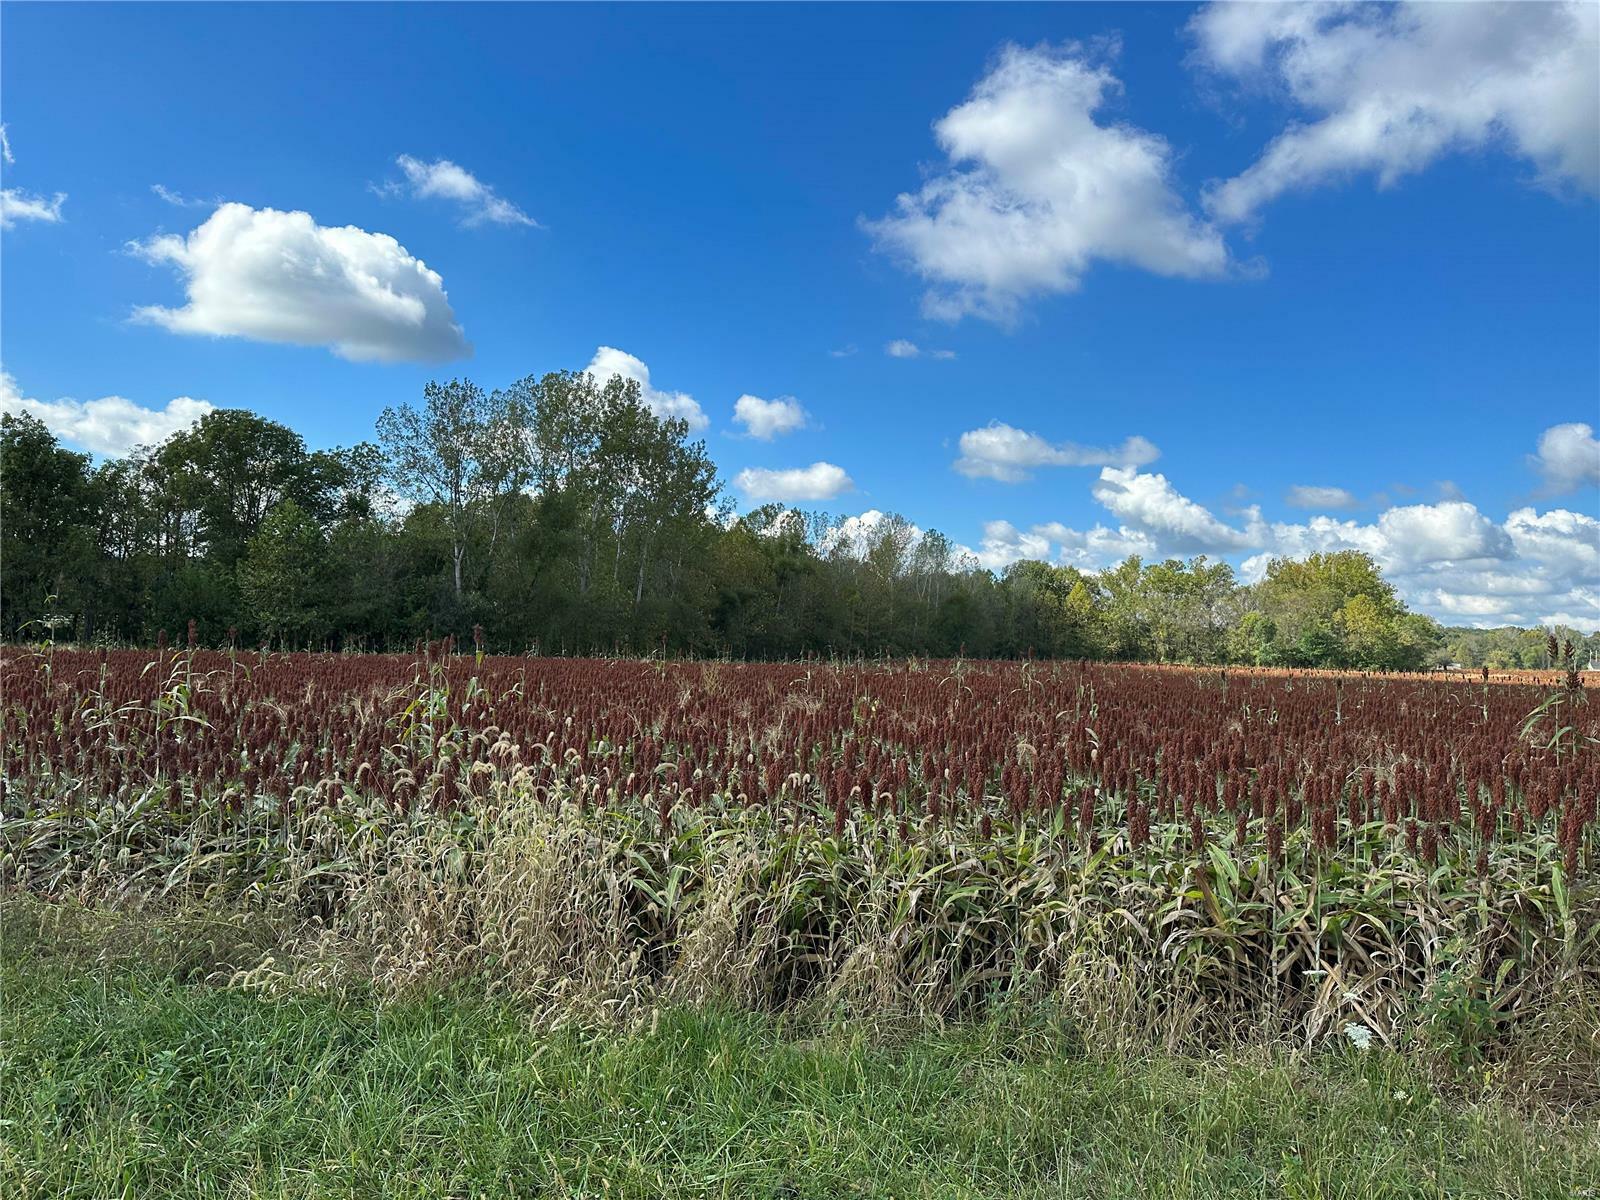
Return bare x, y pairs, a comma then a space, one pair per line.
562, 516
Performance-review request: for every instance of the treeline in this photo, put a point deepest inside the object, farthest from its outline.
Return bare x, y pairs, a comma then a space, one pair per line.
560, 515
1510, 648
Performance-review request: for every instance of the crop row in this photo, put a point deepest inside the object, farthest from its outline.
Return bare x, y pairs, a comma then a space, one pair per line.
1257, 760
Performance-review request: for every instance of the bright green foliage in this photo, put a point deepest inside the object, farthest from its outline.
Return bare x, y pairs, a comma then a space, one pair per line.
1336, 610
1510, 648
128, 1081
47, 536
282, 575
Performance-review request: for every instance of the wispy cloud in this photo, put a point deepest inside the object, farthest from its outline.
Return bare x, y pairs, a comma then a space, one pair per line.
177, 200
903, 348
442, 179
16, 205
1308, 495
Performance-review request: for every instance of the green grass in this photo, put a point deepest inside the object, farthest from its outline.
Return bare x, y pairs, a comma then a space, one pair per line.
130, 1081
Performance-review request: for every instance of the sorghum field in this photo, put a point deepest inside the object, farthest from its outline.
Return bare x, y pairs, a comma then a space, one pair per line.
444, 924
1184, 854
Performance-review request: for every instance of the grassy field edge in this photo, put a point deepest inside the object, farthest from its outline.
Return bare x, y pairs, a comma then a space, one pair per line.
126, 1074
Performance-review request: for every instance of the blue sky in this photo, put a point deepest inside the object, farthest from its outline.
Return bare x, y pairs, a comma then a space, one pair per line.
1288, 249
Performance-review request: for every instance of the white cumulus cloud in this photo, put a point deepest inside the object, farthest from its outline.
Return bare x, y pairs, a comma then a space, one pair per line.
999, 451
819, 481
1451, 531
1447, 559
1039, 186
1454, 562
1148, 502
443, 179
608, 361
1403, 539
1003, 544
1092, 549
767, 419
1568, 457
865, 533
1566, 542
280, 277
854, 536
1389, 89
110, 425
